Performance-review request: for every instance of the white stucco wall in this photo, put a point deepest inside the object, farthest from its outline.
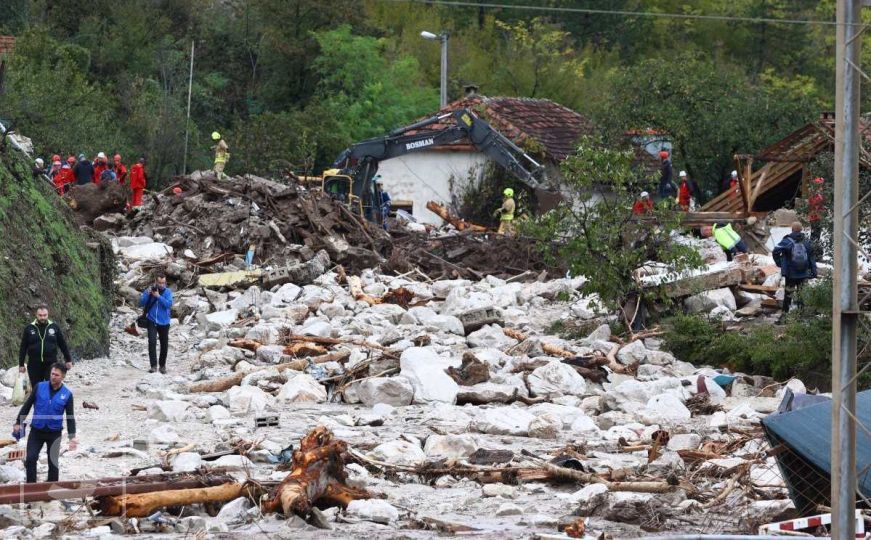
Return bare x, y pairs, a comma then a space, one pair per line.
426, 176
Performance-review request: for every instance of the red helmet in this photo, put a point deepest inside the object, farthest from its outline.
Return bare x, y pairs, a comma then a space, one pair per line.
71, 160
117, 157
663, 154
177, 190
55, 158
818, 180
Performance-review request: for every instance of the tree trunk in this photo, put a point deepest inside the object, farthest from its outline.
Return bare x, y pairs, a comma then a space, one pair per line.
145, 504
225, 383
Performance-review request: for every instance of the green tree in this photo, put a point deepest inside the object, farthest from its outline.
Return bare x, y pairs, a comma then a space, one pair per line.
598, 235
710, 111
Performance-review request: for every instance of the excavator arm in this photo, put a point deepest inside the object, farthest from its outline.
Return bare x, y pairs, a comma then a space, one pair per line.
363, 158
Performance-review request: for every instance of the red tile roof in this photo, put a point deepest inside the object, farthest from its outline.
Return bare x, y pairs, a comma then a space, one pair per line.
7, 44
555, 127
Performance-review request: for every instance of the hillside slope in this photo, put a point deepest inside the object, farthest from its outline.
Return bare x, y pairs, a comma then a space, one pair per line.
44, 257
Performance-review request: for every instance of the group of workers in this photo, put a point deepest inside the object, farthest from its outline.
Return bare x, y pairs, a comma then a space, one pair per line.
80, 171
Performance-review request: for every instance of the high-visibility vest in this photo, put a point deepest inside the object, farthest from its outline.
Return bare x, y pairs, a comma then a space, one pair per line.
726, 236
507, 210
48, 412
221, 154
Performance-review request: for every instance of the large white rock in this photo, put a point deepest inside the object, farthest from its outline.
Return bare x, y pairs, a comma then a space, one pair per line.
665, 409
447, 323
503, 421
490, 335
317, 328
631, 353
556, 379
168, 411
217, 412
147, 252
399, 452
10, 474
245, 399
376, 510
546, 426
640, 392
450, 446
222, 319
706, 301
425, 370
186, 462
235, 511
9, 376
396, 391
164, 434
302, 388
285, 294
584, 424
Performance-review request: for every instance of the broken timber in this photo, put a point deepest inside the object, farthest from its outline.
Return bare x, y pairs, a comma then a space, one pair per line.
145, 504
458, 223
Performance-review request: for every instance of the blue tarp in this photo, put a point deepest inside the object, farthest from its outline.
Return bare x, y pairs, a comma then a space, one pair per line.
807, 434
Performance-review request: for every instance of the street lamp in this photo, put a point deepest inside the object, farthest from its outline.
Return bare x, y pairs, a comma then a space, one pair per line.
443, 37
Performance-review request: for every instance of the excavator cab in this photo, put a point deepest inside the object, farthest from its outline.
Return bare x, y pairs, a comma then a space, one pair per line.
339, 185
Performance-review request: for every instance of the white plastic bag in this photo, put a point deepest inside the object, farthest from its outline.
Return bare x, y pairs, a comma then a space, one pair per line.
18, 390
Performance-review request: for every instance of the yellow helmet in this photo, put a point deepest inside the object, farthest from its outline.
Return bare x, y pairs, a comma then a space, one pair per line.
508, 192
216, 136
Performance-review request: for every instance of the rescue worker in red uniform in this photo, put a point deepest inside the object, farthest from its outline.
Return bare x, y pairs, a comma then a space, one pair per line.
120, 169
99, 167
644, 205
65, 176
684, 192
138, 182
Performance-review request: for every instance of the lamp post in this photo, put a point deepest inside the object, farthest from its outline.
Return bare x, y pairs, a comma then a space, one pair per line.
443, 38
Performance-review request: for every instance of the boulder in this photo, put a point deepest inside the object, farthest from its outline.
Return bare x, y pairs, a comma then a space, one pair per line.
706, 301
245, 399
399, 452
168, 411
450, 446
317, 328
665, 409
490, 335
285, 294
632, 353
302, 388
545, 426
163, 434
584, 424
217, 412
556, 379
221, 319
503, 421
684, 441
153, 251
186, 462
396, 391
425, 371
376, 510
235, 511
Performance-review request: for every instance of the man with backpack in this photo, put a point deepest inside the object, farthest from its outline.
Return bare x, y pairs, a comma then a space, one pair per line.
795, 257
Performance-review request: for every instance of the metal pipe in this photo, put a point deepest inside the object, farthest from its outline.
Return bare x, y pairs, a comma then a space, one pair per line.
844, 301
443, 90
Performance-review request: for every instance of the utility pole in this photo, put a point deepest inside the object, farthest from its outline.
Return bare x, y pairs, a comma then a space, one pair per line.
443, 90
845, 309
184, 167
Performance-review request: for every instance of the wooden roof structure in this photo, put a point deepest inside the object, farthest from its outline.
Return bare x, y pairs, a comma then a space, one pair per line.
783, 161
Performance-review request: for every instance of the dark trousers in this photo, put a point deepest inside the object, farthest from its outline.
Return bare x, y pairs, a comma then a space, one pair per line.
792, 286
35, 441
38, 371
156, 331
740, 247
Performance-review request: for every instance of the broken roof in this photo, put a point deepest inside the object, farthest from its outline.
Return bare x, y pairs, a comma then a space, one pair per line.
555, 127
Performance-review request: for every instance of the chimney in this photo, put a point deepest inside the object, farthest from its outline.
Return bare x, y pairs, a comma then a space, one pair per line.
470, 90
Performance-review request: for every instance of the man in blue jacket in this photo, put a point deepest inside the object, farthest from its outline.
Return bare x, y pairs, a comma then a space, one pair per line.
50, 400
795, 257
157, 301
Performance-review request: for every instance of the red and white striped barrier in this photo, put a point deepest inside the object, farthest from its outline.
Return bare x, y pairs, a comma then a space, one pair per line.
794, 525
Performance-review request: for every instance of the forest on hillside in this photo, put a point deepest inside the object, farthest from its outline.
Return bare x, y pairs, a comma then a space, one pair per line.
292, 82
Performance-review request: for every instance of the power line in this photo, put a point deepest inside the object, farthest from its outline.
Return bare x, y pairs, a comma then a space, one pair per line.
592, 11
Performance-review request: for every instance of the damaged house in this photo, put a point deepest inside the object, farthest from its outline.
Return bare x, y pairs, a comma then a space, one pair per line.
440, 173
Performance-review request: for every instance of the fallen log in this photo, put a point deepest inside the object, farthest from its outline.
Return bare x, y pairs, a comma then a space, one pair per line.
458, 223
247, 344
145, 504
548, 348
225, 383
317, 475
335, 341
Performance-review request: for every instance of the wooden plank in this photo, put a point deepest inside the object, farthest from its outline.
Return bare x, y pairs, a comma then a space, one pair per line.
763, 289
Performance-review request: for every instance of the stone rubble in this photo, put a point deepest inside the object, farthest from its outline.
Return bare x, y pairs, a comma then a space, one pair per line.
406, 409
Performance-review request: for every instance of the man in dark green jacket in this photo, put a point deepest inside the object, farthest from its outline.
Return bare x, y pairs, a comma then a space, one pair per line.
39, 344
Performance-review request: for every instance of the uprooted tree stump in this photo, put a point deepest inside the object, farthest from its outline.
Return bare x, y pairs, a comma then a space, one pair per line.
317, 475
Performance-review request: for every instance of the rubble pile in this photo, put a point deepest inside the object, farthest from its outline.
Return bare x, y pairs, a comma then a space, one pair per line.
447, 401
213, 217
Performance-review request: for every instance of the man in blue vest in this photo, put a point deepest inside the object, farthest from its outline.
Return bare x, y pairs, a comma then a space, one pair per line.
157, 301
50, 400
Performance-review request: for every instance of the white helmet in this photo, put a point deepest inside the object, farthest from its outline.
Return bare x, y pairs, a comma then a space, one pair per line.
645, 194
101, 155
734, 174
39, 161
682, 174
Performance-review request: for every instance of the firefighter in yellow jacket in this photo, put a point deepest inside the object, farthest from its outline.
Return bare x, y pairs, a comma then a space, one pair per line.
506, 213
222, 154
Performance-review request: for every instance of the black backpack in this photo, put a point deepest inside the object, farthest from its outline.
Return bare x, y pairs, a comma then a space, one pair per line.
798, 257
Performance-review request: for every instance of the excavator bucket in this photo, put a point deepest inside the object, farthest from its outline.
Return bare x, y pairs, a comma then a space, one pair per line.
547, 200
